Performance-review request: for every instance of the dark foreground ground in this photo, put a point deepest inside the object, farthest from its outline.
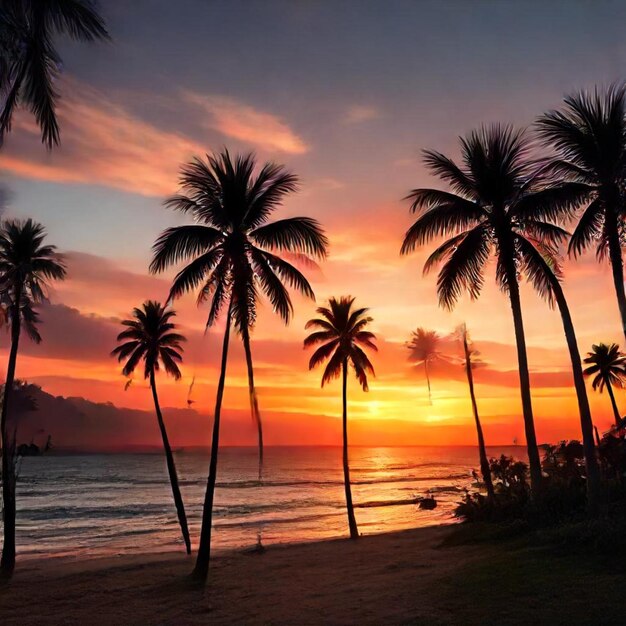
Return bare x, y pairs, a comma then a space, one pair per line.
421, 577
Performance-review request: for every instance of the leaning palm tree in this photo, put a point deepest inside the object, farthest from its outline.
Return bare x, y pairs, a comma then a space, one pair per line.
29, 61
26, 267
607, 365
543, 262
589, 139
498, 204
234, 255
470, 362
424, 350
150, 338
341, 331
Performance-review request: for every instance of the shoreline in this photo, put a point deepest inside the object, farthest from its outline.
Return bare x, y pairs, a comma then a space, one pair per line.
173, 549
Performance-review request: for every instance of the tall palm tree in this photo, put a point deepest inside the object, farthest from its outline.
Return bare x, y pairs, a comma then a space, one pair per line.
234, 255
341, 331
469, 361
547, 281
498, 204
588, 136
607, 364
424, 350
29, 61
26, 267
150, 338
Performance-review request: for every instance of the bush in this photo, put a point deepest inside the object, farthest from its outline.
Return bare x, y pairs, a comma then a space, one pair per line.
512, 494
563, 496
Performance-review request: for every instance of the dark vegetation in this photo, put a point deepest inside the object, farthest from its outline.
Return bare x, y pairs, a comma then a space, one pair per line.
559, 516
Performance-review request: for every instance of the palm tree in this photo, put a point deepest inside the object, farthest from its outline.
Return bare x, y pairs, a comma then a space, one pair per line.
545, 267
424, 350
341, 332
26, 267
150, 337
608, 363
29, 61
470, 355
498, 204
589, 138
233, 253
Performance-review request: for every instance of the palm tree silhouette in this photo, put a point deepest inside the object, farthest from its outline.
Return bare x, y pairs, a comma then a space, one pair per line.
608, 363
150, 338
26, 267
548, 275
589, 138
469, 361
424, 350
498, 204
341, 331
234, 254
29, 61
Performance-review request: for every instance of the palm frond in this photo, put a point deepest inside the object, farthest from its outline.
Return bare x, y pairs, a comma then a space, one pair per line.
463, 269
199, 270
588, 229
273, 287
180, 243
557, 202
295, 234
322, 353
441, 221
333, 368
287, 272
460, 181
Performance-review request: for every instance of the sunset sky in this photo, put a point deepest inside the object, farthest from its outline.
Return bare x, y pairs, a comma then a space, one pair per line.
345, 94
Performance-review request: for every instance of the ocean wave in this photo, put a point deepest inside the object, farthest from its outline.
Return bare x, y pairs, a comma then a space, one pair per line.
277, 520
253, 484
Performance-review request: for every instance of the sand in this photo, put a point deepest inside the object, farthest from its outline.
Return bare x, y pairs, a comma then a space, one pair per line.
381, 579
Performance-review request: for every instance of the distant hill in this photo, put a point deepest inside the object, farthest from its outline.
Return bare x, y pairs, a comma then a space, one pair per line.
78, 423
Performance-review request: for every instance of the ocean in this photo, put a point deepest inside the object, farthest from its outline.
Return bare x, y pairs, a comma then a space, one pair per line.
110, 504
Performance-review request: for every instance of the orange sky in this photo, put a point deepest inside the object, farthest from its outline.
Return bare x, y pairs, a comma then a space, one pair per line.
352, 129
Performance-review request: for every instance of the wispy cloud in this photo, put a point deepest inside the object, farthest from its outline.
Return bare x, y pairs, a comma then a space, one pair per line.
104, 143
359, 113
242, 122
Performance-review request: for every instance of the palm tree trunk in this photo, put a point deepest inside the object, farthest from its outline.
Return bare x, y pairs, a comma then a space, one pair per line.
524, 379
482, 452
354, 531
618, 418
594, 485
254, 403
430, 395
617, 266
171, 467
7, 562
201, 569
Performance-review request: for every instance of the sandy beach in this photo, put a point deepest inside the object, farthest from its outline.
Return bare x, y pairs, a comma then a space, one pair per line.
405, 577
378, 579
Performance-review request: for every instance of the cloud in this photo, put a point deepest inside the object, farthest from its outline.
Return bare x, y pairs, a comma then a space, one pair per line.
118, 288
242, 122
104, 143
360, 113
